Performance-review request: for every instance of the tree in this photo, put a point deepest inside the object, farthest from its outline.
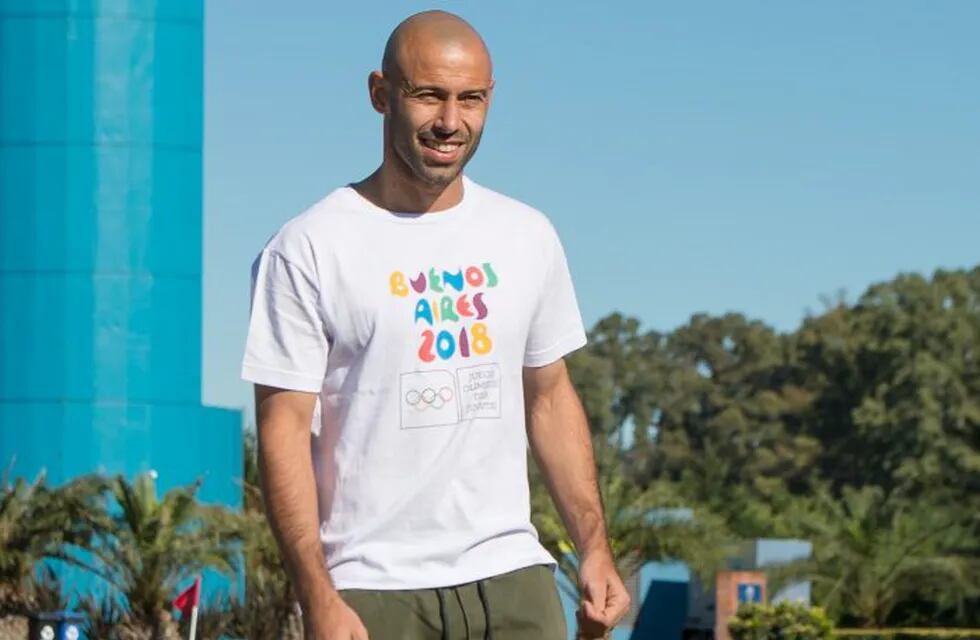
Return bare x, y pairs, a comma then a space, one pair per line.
36, 522
148, 545
897, 384
642, 524
620, 376
718, 394
871, 554
746, 424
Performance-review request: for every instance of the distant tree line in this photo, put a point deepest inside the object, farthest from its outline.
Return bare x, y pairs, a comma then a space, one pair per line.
859, 431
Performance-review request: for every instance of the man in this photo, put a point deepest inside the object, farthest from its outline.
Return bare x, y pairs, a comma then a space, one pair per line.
418, 322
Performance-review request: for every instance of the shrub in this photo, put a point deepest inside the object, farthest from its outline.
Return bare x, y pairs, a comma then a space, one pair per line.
783, 621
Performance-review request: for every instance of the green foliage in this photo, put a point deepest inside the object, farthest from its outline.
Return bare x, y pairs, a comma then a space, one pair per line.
636, 533
148, 545
36, 522
143, 545
872, 554
783, 621
934, 633
875, 403
897, 378
107, 619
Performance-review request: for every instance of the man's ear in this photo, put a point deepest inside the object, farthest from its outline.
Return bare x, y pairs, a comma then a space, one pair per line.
378, 92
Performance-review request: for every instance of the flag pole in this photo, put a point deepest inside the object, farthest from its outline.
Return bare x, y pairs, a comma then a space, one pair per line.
193, 631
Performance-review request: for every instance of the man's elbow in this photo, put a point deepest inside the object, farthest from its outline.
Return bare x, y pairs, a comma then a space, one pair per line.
283, 411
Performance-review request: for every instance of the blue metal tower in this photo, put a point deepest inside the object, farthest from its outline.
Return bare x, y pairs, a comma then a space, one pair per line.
101, 106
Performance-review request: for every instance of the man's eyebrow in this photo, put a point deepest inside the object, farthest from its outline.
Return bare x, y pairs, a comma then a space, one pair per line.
410, 88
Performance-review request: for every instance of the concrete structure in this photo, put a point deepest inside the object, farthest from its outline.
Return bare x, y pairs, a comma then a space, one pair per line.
101, 105
732, 588
671, 603
769, 552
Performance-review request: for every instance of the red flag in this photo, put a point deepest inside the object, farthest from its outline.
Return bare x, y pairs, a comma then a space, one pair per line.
190, 597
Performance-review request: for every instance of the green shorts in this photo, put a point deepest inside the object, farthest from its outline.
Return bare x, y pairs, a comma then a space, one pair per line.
520, 605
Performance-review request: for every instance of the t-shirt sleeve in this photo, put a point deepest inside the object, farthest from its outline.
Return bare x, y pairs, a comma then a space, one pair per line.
287, 344
556, 328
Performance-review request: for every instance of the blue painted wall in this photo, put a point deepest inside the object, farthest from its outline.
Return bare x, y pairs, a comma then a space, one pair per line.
101, 116
662, 603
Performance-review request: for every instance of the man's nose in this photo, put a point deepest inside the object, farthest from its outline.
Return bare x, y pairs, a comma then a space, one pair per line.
448, 120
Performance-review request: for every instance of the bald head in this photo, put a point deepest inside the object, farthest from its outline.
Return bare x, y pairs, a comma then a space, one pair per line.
429, 32
434, 90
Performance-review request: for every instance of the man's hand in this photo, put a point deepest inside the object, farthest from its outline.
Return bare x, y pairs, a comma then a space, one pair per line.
334, 621
562, 444
604, 597
289, 489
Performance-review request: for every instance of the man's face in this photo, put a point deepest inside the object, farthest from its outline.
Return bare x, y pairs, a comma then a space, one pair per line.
437, 109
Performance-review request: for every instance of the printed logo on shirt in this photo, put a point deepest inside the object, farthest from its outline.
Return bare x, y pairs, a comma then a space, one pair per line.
479, 391
450, 307
428, 399
438, 398
450, 311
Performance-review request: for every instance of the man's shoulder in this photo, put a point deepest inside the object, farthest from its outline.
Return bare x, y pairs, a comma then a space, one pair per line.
517, 211
305, 229
330, 209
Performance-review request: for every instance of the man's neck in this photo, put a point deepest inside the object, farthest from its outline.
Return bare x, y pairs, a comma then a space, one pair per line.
390, 190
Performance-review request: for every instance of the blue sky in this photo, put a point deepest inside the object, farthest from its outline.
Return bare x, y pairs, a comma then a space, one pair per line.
695, 156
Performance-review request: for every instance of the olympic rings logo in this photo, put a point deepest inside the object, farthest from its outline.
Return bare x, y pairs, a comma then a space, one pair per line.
429, 398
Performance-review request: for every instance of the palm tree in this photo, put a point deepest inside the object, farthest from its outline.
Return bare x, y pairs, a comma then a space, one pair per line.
642, 525
106, 619
872, 553
36, 523
268, 610
149, 545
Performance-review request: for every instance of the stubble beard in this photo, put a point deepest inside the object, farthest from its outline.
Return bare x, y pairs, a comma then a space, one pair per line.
439, 176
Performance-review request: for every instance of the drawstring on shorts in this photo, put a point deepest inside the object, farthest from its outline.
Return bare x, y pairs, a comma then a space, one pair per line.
486, 608
444, 616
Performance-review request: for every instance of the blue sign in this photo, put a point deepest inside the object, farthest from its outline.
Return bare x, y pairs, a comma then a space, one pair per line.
749, 592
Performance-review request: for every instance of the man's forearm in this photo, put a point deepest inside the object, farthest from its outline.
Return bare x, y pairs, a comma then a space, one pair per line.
289, 489
561, 443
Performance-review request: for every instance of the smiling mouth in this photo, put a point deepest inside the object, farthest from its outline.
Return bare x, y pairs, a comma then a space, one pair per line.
441, 147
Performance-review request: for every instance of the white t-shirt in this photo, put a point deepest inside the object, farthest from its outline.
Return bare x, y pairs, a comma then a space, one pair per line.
413, 329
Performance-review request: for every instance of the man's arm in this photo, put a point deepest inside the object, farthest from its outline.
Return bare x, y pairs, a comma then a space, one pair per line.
289, 490
559, 436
